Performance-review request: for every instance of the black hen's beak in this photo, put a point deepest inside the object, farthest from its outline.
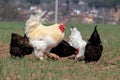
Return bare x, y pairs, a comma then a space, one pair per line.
25, 36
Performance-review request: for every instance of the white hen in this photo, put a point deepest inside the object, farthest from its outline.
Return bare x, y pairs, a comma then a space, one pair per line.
76, 41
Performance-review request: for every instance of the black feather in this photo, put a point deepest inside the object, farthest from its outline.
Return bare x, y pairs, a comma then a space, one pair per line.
19, 46
94, 48
63, 49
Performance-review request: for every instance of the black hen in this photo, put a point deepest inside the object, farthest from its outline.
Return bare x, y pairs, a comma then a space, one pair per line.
19, 46
94, 48
63, 49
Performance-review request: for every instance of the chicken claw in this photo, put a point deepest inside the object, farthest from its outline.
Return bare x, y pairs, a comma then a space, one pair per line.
53, 56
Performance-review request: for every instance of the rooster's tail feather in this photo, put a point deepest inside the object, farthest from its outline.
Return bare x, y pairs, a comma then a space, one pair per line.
34, 21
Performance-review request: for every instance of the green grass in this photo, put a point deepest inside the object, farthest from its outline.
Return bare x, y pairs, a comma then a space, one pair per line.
32, 69
6, 28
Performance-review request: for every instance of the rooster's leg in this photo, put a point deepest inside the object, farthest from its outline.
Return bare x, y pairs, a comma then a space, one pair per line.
53, 56
39, 54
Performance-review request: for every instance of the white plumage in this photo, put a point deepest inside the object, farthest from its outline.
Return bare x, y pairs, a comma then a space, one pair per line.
76, 41
43, 38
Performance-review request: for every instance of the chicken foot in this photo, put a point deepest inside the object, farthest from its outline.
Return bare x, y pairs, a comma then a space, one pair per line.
53, 56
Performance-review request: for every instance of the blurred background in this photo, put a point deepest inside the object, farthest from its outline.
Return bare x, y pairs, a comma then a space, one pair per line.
76, 11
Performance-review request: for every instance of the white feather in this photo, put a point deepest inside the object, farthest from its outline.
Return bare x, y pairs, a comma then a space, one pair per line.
75, 40
42, 38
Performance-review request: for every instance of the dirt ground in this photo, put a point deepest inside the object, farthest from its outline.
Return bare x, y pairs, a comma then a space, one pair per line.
4, 50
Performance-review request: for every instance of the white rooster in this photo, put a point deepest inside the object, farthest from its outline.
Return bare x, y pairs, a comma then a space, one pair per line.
43, 38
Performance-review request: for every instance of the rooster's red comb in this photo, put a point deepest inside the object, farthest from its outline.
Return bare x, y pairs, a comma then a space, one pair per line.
63, 24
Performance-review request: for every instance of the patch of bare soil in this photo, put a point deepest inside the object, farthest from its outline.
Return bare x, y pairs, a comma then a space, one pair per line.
112, 61
4, 50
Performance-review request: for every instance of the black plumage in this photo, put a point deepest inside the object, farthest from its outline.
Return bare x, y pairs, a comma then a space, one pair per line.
94, 48
64, 49
19, 46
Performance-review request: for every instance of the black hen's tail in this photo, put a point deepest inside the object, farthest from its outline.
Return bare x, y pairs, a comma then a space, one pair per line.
95, 38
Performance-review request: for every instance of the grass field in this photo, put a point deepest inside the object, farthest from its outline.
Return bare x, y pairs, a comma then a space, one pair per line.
28, 68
